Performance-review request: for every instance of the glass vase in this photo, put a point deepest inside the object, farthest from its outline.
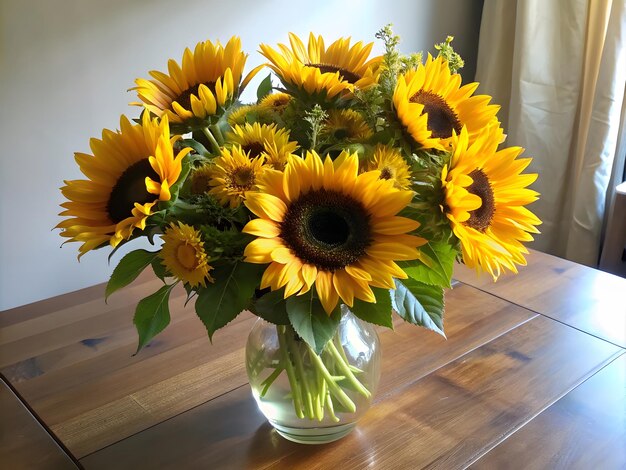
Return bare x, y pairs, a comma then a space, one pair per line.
310, 398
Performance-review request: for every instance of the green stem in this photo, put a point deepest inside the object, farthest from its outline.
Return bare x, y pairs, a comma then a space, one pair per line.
332, 385
307, 387
270, 380
214, 145
345, 368
296, 393
329, 406
217, 132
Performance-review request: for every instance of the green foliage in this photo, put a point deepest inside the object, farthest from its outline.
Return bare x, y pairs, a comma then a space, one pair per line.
195, 145
265, 87
310, 321
419, 303
455, 62
152, 315
127, 270
271, 307
391, 60
378, 313
159, 268
411, 61
315, 117
220, 302
225, 244
436, 265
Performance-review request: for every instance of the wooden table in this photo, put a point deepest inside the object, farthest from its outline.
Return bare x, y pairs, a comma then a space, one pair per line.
532, 375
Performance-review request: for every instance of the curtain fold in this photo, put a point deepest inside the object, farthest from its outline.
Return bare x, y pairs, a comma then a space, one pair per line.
559, 67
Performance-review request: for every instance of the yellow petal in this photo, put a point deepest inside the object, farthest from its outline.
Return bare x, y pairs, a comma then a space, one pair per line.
325, 291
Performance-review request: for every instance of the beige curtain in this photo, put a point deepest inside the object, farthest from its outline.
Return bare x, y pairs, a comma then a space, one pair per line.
558, 68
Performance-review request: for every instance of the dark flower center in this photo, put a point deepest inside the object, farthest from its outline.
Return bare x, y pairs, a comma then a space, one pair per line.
341, 133
253, 149
281, 102
386, 174
200, 182
130, 189
480, 219
327, 229
346, 75
442, 119
184, 99
242, 178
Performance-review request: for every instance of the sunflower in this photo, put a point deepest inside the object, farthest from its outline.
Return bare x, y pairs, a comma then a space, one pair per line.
432, 105
200, 178
275, 102
485, 194
209, 78
234, 173
320, 222
183, 255
391, 165
329, 71
239, 116
346, 125
129, 172
263, 140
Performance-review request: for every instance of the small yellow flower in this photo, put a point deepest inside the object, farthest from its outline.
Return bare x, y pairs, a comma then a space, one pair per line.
346, 125
263, 140
184, 256
200, 178
275, 102
391, 165
234, 173
238, 116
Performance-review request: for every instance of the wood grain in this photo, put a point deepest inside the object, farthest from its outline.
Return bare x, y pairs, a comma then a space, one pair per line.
584, 429
585, 298
24, 443
94, 393
81, 376
446, 419
441, 403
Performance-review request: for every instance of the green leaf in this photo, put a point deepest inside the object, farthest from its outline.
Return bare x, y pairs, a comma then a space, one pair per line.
127, 270
158, 268
152, 315
436, 267
378, 313
220, 302
265, 87
419, 303
271, 307
310, 320
197, 146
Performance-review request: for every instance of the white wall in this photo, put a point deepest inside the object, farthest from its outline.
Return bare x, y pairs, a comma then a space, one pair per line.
65, 66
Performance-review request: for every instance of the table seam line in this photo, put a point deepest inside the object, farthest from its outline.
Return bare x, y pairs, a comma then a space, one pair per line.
41, 422
163, 421
469, 351
545, 315
484, 451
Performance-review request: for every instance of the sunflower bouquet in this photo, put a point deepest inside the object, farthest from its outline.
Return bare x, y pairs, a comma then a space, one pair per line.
352, 183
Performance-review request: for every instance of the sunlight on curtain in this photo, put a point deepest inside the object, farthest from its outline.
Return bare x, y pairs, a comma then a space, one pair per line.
559, 67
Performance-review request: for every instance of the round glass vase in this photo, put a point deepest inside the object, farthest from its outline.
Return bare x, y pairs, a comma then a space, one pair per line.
310, 398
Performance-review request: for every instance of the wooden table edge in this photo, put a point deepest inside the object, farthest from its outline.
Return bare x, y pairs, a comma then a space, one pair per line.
41, 423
